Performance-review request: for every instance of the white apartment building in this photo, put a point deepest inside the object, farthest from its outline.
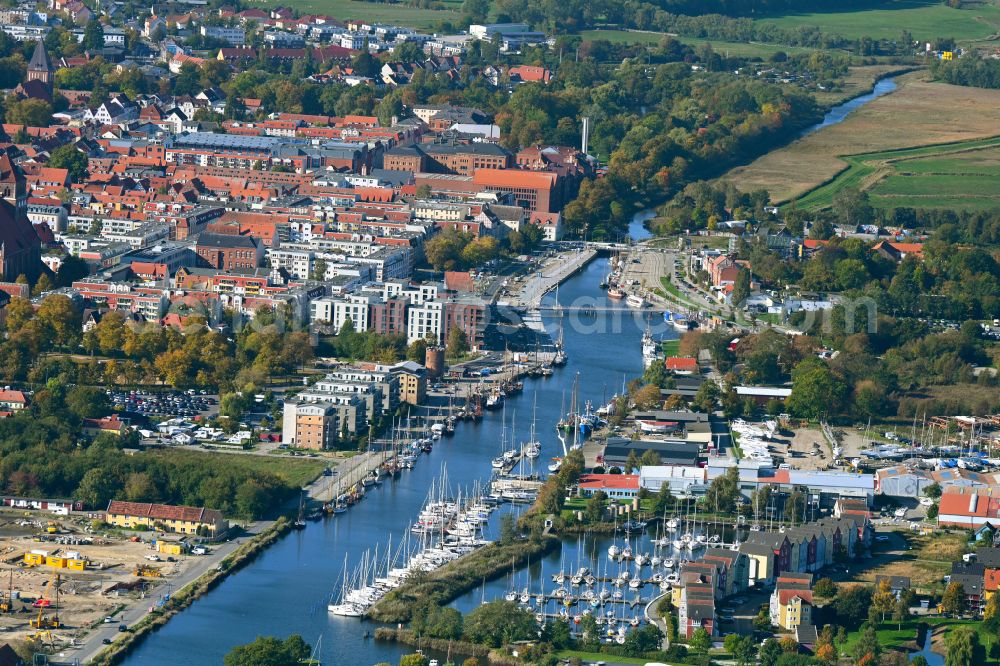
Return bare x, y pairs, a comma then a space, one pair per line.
425, 321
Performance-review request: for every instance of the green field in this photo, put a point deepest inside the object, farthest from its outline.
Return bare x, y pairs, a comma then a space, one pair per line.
925, 19
295, 472
732, 49
399, 14
965, 174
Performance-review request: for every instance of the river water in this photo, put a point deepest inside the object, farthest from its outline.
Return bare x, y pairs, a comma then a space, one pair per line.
838, 113
286, 589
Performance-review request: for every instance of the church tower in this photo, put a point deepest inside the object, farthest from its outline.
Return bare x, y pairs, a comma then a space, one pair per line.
40, 67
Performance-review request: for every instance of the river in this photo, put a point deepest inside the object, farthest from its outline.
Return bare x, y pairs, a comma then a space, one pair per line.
840, 112
285, 590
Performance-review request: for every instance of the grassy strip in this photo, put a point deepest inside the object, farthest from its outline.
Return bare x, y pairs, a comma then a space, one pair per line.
458, 577
861, 167
408, 637
120, 649
671, 347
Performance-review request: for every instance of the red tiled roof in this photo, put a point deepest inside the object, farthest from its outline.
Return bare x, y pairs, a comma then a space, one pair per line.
957, 503
13, 396
681, 363
162, 511
459, 281
784, 596
991, 580
539, 180
780, 476
609, 481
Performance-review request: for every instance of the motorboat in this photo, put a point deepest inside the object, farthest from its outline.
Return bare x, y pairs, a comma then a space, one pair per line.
635, 301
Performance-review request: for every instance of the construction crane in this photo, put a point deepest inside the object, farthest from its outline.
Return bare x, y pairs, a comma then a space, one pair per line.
43, 621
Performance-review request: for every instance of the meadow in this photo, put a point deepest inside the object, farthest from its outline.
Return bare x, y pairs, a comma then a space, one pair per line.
925, 19
399, 14
920, 113
731, 49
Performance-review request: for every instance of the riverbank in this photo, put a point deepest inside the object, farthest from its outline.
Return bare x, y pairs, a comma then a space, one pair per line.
408, 637
463, 575
527, 292
120, 649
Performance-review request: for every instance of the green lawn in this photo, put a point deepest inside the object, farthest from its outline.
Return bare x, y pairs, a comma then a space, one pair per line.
297, 472
890, 637
399, 14
963, 175
731, 49
599, 656
671, 347
925, 19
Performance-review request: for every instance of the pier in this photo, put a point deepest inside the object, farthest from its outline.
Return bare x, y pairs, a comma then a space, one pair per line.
536, 285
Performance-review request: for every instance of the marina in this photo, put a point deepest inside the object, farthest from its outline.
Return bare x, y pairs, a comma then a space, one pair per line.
287, 588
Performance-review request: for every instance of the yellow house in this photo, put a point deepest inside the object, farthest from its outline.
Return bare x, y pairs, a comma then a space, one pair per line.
178, 519
412, 387
794, 608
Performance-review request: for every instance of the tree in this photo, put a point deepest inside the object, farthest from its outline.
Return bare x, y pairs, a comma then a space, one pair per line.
815, 390
723, 491
29, 112
743, 649
19, 313
508, 529
964, 648
417, 351
933, 491
825, 587
883, 601
596, 505
700, 640
93, 35
87, 402
319, 270
932, 512
71, 269
900, 612
852, 206
97, 488
648, 397
953, 599
43, 285
458, 343
650, 458
741, 288
851, 605
475, 11
867, 646
770, 652
632, 462
499, 622
69, 158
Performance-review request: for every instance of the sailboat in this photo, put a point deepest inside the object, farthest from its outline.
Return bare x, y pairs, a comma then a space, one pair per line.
300, 521
345, 608
533, 448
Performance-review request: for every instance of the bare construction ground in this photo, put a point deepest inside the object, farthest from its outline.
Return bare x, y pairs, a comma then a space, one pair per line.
85, 597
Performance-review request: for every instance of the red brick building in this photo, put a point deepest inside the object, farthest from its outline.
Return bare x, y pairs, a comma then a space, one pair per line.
229, 251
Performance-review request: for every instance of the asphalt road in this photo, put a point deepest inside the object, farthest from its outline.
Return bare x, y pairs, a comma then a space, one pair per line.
87, 648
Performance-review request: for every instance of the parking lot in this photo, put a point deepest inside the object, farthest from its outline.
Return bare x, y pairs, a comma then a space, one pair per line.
169, 403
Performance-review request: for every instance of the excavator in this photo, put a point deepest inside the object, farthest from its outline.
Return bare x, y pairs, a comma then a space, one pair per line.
44, 621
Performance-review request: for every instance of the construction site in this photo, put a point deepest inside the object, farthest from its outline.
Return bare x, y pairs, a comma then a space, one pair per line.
60, 577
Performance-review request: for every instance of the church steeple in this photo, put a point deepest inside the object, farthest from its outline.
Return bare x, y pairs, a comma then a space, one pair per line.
40, 67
